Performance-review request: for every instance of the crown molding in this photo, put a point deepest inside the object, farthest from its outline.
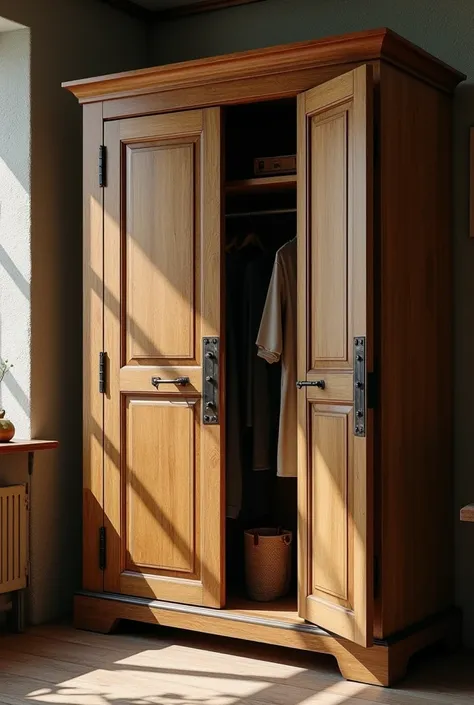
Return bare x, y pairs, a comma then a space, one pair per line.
353, 48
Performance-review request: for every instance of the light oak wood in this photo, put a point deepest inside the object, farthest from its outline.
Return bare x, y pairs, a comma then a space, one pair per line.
352, 282
355, 48
162, 265
382, 664
13, 538
339, 387
467, 513
284, 609
330, 502
262, 184
415, 261
165, 430
328, 281
163, 486
262, 86
93, 343
17, 445
335, 500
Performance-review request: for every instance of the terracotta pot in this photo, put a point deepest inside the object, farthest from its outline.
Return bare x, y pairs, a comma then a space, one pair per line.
7, 429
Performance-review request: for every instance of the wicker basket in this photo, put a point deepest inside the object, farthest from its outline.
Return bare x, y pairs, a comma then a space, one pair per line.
267, 563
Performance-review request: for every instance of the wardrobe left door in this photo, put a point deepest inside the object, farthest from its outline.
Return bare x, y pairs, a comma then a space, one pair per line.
163, 467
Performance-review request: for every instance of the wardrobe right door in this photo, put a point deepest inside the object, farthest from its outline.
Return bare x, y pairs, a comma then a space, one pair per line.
335, 428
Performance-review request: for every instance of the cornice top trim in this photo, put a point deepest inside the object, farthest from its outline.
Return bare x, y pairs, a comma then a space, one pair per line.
349, 48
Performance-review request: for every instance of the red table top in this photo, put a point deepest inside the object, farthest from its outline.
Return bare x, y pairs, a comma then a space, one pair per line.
19, 446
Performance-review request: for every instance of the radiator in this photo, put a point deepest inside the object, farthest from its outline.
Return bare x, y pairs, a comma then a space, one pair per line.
13, 538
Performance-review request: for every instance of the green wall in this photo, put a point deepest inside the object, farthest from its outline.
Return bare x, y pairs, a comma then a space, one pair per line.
444, 28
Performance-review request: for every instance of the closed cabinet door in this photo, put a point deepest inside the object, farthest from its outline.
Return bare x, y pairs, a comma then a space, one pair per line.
335, 356
162, 469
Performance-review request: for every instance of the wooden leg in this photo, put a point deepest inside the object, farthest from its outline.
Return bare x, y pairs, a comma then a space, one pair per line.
369, 666
17, 617
93, 620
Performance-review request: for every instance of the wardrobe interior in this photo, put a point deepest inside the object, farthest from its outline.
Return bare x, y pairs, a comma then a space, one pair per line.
260, 219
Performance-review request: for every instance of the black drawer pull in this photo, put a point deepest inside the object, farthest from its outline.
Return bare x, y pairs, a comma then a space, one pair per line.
320, 383
180, 381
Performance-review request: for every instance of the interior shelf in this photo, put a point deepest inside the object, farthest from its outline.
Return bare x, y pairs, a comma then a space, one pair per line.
262, 184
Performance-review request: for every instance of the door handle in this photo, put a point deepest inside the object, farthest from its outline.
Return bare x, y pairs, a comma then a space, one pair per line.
319, 383
179, 381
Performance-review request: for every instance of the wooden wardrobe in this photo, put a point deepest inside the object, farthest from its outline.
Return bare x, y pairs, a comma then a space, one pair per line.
372, 130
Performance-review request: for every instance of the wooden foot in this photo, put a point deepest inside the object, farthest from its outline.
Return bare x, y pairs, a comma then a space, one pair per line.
383, 664
365, 666
91, 620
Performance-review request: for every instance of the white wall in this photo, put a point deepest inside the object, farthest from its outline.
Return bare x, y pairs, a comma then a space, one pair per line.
69, 39
15, 231
446, 29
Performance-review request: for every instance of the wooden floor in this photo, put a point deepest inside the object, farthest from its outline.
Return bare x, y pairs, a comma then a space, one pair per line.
58, 665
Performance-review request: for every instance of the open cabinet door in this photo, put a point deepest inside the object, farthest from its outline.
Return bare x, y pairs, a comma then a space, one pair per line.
335, 434
163, 491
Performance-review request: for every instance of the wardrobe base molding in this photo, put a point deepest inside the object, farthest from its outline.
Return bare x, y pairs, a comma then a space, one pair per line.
383, 664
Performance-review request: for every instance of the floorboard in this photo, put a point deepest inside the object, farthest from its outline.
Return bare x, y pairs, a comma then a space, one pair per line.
58, 665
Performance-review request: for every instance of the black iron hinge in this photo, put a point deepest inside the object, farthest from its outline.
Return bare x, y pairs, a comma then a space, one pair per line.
102, 372
102, 165
102, 548
376, 576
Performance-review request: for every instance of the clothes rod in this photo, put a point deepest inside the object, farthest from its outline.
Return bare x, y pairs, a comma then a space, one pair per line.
277, 211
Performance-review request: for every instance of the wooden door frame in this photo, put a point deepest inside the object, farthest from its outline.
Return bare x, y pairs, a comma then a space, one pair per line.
93, 345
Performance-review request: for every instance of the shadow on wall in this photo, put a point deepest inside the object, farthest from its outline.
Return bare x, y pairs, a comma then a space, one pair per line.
15, 222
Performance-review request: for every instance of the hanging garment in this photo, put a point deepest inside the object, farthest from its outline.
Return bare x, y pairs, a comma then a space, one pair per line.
276, 341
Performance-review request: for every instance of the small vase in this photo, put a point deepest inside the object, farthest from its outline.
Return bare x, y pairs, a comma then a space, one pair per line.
7, 429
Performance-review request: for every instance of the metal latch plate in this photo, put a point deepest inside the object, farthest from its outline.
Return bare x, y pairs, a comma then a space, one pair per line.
210, 381
359, 386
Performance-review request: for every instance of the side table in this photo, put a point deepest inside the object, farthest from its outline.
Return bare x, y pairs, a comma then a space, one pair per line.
17, 621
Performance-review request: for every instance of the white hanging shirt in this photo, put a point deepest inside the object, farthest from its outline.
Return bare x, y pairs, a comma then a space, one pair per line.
276, 341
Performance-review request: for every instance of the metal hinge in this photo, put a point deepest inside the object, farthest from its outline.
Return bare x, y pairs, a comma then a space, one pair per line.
102, 372
102, 548
359, 386
102, 165
376, 576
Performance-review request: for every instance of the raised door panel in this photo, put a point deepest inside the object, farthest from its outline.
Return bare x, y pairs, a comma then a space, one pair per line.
163, 465
160, 270
331, 452
335, 436
329, 227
